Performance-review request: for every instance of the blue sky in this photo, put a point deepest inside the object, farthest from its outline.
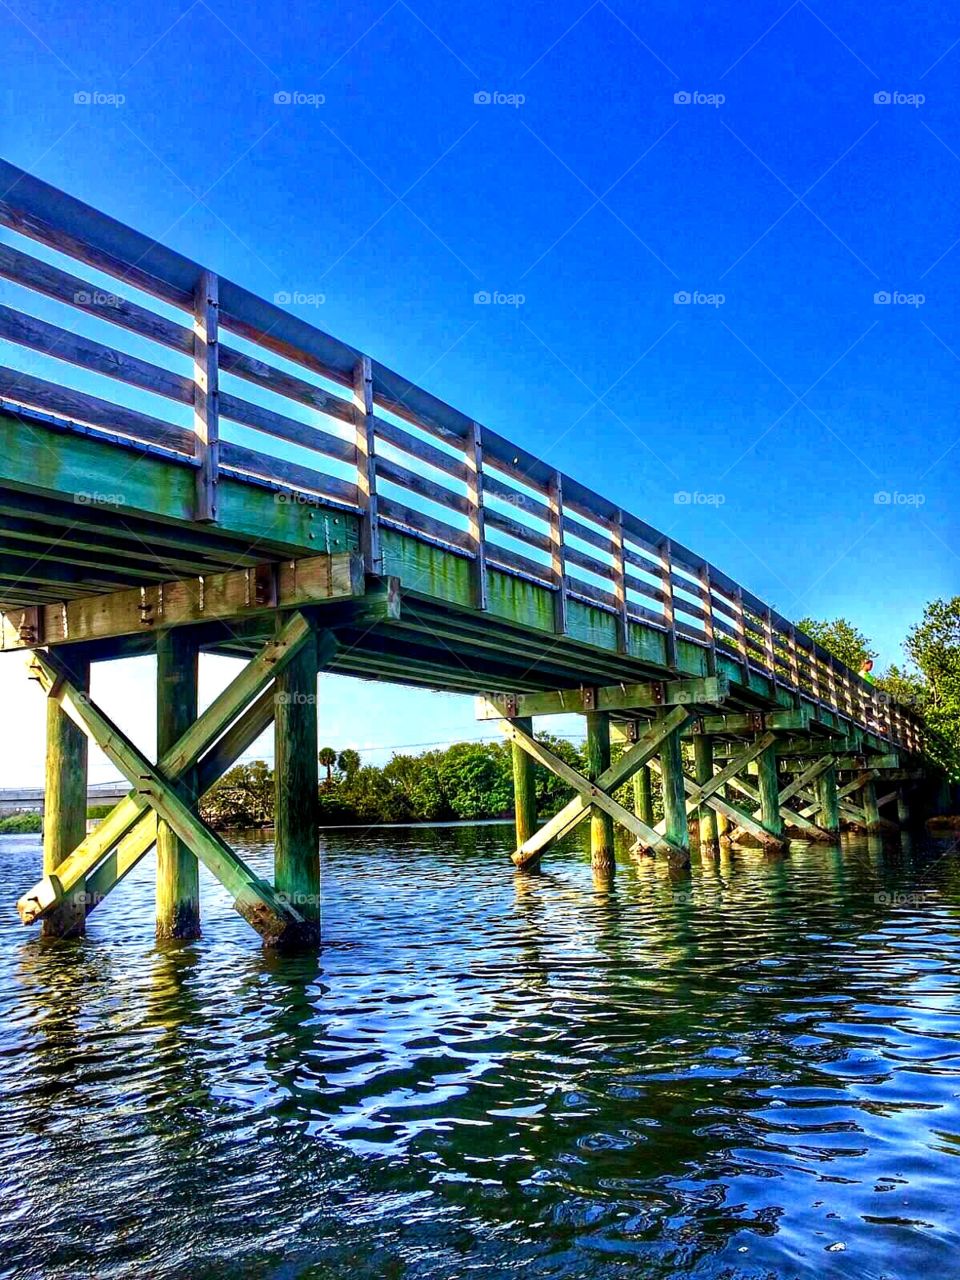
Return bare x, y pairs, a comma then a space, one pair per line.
778, 182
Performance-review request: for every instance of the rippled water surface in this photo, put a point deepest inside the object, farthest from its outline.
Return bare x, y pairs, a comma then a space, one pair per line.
752, 1071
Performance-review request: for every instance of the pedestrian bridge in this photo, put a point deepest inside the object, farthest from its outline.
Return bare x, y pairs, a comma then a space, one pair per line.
185, 466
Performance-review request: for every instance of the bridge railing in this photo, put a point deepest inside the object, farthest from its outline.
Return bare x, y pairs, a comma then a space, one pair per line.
230, 383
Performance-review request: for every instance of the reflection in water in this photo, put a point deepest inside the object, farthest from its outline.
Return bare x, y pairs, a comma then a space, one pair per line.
750, 1069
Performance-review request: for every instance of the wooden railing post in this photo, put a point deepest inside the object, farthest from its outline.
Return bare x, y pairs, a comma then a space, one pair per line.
620, 582
557, 557
794, 661
366, 465
769, 652
669, 620
206, 394
740, 627
474, 463
708, 628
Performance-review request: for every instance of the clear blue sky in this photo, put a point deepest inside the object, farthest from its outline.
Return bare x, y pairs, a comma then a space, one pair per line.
599, 197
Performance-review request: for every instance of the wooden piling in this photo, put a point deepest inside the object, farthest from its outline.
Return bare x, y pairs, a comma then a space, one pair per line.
706, 816
904, 816
674, 793
524, 792
598, 761
871, 810
769, 789
178, 870
643, 795
829, 812
296, 783
65, 806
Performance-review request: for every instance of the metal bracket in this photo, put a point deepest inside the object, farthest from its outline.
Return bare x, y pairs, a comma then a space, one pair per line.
510, 705
264, 576
659, 691
756, 721
588, 696
30, 626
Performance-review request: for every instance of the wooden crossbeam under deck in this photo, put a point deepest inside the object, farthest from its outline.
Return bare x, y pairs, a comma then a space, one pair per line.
237, 594
699, 690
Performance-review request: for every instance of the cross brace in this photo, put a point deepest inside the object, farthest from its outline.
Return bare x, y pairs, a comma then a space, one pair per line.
126, 834
598, 792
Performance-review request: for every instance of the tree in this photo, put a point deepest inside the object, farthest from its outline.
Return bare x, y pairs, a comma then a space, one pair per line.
933, 645
348, 761
328, 758
841, 638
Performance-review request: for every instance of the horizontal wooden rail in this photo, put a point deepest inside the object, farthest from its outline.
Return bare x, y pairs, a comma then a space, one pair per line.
499, 505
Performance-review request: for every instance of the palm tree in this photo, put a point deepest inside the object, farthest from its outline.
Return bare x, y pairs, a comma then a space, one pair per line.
328, 758
348, 761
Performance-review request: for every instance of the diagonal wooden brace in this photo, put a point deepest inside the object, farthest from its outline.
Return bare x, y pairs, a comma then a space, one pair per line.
790, 816
698, 795
183, 755
592, 793
125, 856
618, 773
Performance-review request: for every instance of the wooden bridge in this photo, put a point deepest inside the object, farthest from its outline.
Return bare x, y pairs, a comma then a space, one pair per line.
231, 479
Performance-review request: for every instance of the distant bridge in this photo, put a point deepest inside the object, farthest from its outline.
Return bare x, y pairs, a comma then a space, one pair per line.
257, 487
31, 799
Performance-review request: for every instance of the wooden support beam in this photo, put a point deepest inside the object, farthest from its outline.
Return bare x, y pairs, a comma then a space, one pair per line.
871, 810
475, 513
751, 722
178, 871
365, 435
274, 919
206, 394
217, 718
703, 773
643, 795
829, 813
233, 596
650, 695
904, 815
296, 783
675, 825
790, 816
596, 793
769, 788
598, 762
524, 790
65, 805
558, 567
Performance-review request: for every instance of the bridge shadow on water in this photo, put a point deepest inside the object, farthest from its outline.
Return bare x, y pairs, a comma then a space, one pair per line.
744, 1070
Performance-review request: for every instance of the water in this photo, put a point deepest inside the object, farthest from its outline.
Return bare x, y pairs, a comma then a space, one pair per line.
750, 1072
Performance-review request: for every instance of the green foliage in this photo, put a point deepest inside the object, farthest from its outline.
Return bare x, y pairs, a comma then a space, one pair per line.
242, 798
348, 761
933, 646
328, 758
21, 824
841, 638
98, 811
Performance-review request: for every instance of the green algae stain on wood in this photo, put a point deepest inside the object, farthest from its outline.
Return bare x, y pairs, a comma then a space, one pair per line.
587, 623
691, 658
647, 643
519, 600
426, 569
